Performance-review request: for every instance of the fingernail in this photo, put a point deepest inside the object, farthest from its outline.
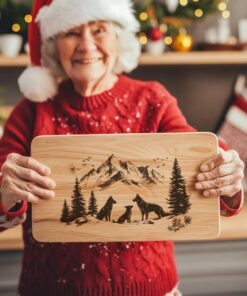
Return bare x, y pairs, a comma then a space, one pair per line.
204, 168
47, 171
198, 186
200, 177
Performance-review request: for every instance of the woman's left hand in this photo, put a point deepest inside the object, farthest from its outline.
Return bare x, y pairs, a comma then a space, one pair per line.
221, 175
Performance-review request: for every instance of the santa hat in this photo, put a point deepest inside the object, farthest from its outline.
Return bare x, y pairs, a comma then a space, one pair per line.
38, 83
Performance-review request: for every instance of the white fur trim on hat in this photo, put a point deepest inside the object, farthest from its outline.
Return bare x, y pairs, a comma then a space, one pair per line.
37, 84
62, 15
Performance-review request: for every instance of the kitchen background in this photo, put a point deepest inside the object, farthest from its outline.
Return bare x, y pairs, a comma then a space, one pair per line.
203, 82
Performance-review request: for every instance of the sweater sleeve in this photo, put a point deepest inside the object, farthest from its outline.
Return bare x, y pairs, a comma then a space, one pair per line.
17, 136
172, 120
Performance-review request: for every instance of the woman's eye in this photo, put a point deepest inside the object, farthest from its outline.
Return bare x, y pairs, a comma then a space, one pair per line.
72, 33
99, 30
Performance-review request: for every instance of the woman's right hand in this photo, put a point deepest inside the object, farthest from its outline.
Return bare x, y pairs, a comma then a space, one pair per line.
24, 178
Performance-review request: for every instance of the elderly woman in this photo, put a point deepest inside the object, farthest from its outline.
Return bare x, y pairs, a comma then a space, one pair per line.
75, 86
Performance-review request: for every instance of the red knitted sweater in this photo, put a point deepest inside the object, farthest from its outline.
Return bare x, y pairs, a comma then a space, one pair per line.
119, 269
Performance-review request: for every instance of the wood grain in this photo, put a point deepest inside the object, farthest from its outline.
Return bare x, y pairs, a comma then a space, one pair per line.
71, 157
232, 228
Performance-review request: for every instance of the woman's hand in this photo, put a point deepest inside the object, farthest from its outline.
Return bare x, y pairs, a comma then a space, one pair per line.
24, 178
221, 175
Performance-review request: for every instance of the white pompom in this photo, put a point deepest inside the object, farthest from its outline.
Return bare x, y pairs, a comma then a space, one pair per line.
37, 84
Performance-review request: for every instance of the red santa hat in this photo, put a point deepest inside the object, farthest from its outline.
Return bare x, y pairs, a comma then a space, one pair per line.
37, 82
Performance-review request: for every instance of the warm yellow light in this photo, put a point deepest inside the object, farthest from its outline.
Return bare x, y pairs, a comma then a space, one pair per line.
226, 14
16, 27
28, 18
195, 0
143, 16
183, 2
222, 6
163, 28
168, 40
143, 39
198, 12
187, 42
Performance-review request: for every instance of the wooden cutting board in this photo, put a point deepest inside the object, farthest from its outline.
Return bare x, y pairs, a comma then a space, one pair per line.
125, 187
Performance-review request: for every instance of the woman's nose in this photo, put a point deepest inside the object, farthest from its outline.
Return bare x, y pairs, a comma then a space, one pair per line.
86, 41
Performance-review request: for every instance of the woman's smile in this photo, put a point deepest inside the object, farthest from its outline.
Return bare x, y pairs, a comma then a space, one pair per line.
86, 61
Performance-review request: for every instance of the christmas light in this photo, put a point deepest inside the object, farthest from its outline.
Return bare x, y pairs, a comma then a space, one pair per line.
226, 14
222, 6
163, 27
198, 13
28, 18
183, 2
16, 27
143, 39
15, 16
168, 40
143, 16
175, 14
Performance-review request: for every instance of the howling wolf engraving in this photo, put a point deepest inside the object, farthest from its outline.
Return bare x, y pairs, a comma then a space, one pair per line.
126, 215
146, 208
105, 211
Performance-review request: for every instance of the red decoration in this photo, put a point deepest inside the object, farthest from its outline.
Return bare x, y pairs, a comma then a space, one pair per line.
156, 34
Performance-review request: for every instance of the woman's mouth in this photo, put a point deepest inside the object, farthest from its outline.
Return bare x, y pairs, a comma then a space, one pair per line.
86, 61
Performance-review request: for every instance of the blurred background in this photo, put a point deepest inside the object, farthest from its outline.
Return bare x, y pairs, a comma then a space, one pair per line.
198, 50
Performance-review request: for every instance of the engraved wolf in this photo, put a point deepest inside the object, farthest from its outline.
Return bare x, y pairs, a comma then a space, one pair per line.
126, 215
146, 208
105, 211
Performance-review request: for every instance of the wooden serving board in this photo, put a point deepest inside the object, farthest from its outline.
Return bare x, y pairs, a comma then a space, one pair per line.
125, 187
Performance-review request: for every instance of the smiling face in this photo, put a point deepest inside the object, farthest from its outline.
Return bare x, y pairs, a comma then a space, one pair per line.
88, 52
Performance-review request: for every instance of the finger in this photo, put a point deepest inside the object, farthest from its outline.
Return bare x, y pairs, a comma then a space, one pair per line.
220, 171
27, 174
15, 193
30, 163
222, 157
32, 176
37, 191
218, 182
228, 191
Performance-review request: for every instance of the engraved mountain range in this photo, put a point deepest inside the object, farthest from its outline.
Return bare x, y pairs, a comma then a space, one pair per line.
115, 170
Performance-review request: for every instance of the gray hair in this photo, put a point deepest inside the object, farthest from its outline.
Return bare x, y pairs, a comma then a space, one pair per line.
129, 50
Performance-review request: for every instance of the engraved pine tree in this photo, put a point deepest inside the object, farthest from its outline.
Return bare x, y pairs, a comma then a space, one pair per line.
179, 200
78, 210
92, 207
65, 217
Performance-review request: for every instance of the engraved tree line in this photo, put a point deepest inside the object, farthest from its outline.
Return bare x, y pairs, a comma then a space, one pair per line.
92, 208
178, 203
179, 200
77, 213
